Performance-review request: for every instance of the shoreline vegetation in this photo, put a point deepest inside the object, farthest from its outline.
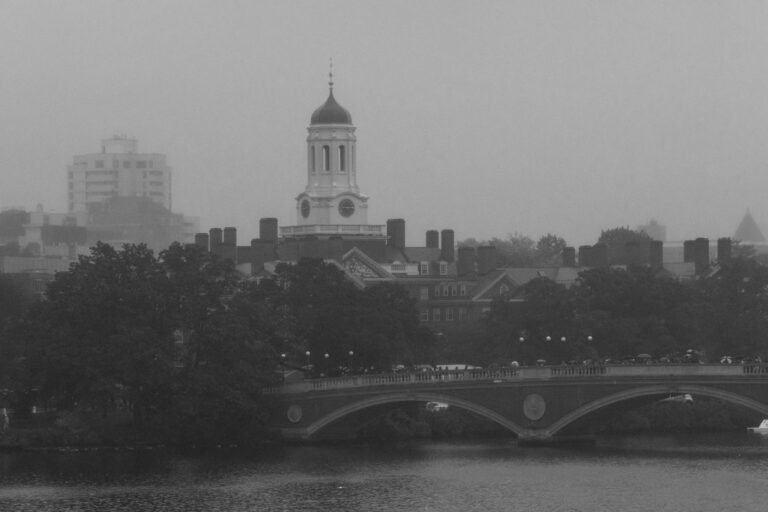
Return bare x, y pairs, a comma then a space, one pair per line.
133, 349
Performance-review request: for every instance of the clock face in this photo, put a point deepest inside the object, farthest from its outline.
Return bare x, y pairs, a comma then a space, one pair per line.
346, 207
305, 208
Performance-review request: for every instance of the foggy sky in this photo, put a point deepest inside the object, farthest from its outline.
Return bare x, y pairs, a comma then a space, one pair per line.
486, 117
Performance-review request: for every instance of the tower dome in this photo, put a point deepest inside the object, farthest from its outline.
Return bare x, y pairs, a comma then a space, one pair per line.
331, 112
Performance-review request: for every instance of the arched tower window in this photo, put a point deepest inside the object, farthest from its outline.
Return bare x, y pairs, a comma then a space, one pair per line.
342, 159
312, 163
326, 158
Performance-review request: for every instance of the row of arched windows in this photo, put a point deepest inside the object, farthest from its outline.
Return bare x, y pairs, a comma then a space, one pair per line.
325, 158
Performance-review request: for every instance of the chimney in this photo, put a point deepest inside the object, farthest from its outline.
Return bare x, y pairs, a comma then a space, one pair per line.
262, 251
701, 254
569, 257
201, 240
585, 256
723, 250
396, 233
486, 259
446, 243
656, 256
268, 229
433, 239
466, 262
230, 236
215, 239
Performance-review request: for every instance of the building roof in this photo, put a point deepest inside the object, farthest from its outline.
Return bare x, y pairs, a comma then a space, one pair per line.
331, 112
418, 254
748, 230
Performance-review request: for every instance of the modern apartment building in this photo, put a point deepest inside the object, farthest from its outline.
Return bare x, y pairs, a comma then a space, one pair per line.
119, 170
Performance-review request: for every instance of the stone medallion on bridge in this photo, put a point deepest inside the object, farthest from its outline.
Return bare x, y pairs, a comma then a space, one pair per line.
294, 414
534, 406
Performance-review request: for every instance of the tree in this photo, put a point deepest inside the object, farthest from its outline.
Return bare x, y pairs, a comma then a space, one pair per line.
623, 235
549, 250
519, 250
123, 330
102, 335
324, 313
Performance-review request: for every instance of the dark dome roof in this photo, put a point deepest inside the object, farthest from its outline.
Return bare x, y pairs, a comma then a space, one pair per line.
331, 113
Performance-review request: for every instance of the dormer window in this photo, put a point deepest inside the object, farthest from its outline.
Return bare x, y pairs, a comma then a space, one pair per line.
503, 289
424, 268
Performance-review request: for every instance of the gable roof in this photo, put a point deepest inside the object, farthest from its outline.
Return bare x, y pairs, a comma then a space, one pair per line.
519, 276
367, 268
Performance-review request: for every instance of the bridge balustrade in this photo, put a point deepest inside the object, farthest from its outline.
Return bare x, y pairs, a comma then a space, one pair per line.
520, 373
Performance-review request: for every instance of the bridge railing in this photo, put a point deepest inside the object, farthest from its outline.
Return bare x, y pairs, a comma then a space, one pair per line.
522, 373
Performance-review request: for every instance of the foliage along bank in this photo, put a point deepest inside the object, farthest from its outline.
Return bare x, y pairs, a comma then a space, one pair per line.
130, 347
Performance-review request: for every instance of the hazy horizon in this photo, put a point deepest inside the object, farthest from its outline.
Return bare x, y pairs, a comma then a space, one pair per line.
488, 118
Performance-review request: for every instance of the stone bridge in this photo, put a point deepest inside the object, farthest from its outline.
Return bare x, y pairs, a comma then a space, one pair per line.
536, 403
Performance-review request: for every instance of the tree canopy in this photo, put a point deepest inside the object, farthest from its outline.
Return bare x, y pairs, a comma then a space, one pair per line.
519, 250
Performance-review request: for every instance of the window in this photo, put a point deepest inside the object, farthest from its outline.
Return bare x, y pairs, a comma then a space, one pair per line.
126, 164
453, 291
436, 315
424, 315
99, 164
115, 164
449, 314
424, 268
445, 291
424, 293
312, 163
437, 291
342, 159
503, 289
462, 290
150, 164
443, 268
462, 314
141, 164
326, 158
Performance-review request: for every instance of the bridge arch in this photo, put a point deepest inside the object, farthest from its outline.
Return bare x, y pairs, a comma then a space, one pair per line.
413, 397
676, 389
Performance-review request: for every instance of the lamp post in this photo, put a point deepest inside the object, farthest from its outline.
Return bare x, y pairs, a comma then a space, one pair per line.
282, 358
326, 356
351, 354
308, 353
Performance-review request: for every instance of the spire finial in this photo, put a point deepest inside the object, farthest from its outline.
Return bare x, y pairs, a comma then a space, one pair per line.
330, 74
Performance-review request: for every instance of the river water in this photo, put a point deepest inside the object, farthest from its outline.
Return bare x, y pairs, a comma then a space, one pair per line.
686, 474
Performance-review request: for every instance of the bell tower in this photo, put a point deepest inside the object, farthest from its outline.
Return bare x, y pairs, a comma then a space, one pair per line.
331, 196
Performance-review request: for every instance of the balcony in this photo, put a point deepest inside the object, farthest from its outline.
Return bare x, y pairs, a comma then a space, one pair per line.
371, 230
